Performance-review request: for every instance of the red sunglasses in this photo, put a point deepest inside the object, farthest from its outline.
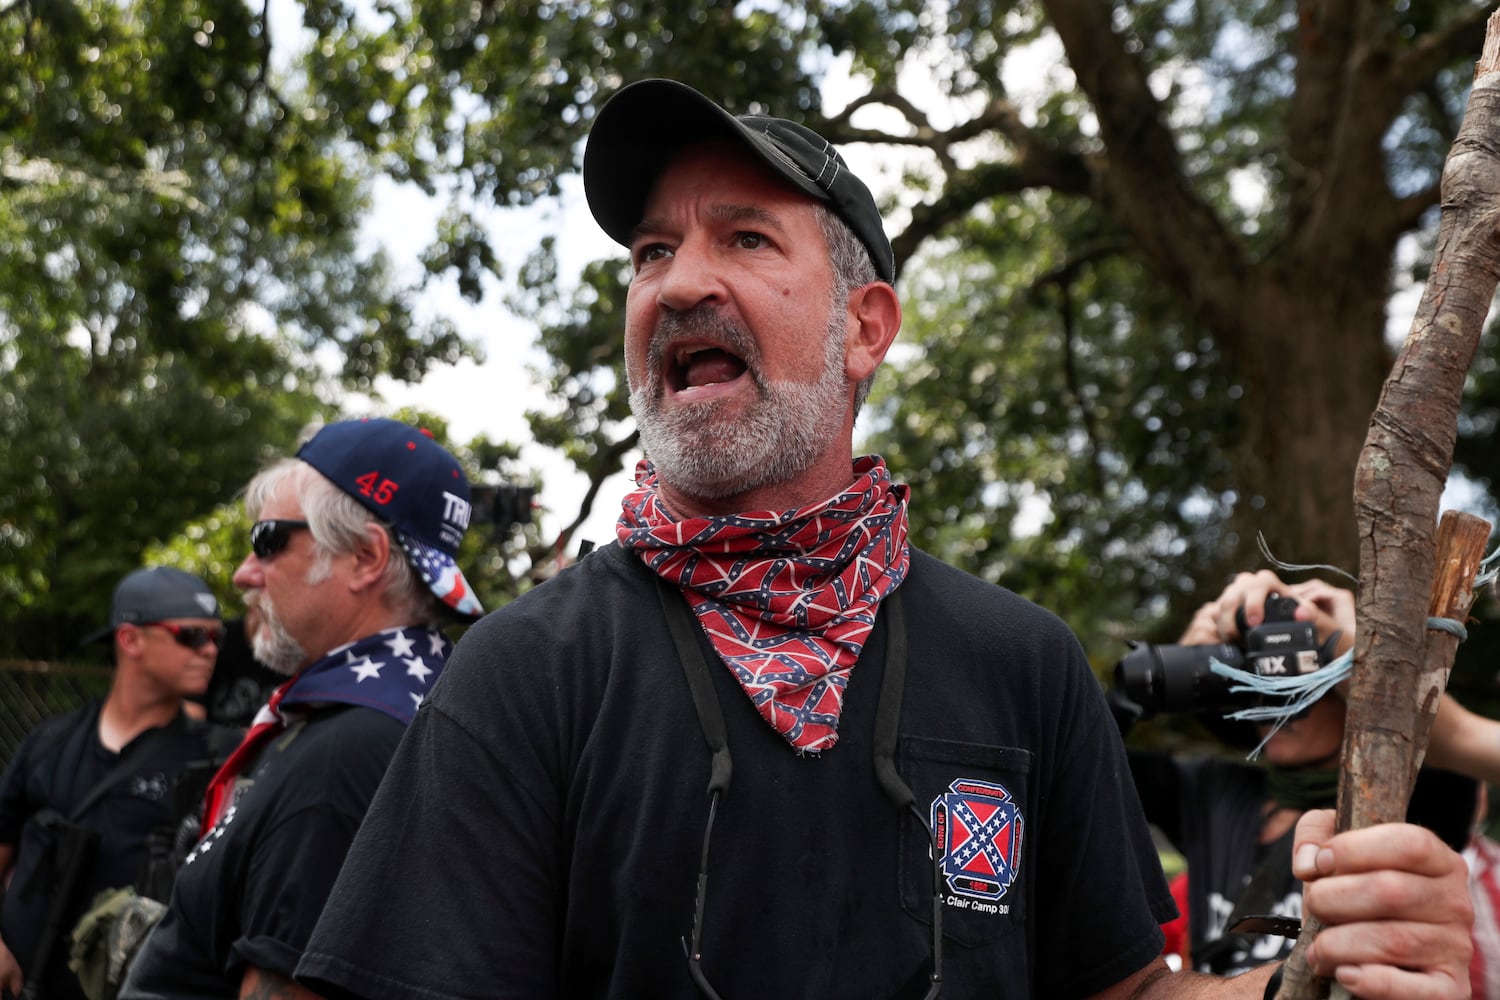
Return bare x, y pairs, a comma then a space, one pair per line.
194, 637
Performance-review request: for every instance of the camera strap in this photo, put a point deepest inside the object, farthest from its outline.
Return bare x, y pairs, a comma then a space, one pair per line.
685, 635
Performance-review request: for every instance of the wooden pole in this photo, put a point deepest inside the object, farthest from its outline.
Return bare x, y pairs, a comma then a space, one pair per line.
1399, 666
1365, 798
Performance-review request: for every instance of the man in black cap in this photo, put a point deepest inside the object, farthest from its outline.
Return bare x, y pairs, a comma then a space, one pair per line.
86, 790
913, 782
351, 573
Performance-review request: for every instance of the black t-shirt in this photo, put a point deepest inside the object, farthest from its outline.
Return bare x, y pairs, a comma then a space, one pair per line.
56, 767
539, 832
251, 890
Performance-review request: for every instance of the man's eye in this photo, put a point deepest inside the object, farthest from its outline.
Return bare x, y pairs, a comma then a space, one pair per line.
651, 252
750, 241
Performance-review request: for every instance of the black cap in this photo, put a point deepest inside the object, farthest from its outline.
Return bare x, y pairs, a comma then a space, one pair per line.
644, 125
156, 594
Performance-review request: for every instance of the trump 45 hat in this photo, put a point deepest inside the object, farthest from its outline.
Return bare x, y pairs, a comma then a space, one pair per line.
644, 125
412, 483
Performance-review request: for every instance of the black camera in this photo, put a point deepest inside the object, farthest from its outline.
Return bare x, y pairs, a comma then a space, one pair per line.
1179, 678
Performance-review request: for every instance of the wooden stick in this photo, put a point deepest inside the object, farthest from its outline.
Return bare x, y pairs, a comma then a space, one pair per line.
1461, 541
1375, 750
1400, 476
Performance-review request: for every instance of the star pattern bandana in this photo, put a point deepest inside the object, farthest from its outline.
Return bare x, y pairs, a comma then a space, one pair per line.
787, 599
389, 671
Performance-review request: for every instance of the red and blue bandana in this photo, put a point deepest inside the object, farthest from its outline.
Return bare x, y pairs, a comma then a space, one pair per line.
787, 599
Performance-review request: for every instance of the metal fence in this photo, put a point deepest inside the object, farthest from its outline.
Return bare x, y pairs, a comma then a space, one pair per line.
31, 690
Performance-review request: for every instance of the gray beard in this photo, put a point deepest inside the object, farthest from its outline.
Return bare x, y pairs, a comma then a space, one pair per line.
273, 645
702, 451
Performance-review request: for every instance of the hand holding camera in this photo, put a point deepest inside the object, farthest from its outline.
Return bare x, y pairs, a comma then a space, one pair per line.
1259, 624
1330, 609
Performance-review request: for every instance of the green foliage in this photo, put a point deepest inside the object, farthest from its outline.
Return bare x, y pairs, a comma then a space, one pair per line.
1062, 428
1146, 251
181, 237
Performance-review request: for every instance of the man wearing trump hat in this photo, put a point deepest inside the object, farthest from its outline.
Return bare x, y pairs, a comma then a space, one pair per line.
350, 575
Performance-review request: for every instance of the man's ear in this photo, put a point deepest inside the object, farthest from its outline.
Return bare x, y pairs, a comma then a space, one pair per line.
129, 640
874, 318
371, 557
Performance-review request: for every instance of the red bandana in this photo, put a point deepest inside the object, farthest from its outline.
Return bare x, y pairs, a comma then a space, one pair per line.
787, 599
267, 724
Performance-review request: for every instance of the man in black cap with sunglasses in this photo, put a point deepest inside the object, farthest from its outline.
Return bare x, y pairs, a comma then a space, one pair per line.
350, 575
87, 790
912, 781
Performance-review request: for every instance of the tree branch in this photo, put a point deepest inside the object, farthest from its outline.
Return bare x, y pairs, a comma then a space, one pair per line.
605, 464
1059, 171
1410, 209
1143, 179
1438, 48
1339, 196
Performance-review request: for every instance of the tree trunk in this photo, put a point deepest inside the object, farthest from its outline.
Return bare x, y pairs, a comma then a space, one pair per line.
1313, 368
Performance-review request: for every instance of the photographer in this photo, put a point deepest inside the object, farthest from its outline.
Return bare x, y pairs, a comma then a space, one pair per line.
1233, 821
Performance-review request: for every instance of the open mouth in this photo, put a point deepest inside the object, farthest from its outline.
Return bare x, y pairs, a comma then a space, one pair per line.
695, 367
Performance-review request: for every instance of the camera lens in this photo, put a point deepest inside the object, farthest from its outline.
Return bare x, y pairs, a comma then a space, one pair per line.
1176, 678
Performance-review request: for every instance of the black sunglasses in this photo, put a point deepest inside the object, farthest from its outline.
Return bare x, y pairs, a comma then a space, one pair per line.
269, 537
194, 637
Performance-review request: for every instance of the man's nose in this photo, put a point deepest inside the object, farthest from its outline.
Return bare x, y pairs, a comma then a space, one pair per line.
248, 574
692, 278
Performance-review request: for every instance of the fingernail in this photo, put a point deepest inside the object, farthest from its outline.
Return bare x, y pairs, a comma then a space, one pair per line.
1307, 860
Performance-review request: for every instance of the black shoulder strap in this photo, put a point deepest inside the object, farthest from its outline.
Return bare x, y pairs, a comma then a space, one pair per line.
888, 708
716, 735
695, 669
711, 715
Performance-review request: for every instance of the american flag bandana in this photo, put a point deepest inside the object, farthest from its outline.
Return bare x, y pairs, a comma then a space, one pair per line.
390, 671
788, 599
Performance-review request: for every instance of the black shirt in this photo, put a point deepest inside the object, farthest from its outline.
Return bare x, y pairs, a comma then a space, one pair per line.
1212, 810
56, 767
538, 834
251, 890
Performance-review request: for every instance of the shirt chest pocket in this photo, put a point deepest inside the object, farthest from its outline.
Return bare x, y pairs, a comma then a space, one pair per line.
976, 798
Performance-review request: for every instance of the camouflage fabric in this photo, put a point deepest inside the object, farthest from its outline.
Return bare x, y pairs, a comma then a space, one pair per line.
107, 938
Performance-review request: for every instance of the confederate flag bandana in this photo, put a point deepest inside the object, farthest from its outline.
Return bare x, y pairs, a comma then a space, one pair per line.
389, 671
787, 599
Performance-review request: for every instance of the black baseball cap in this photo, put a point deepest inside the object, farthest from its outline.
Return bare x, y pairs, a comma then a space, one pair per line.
399, 473
156, 594
645, 124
